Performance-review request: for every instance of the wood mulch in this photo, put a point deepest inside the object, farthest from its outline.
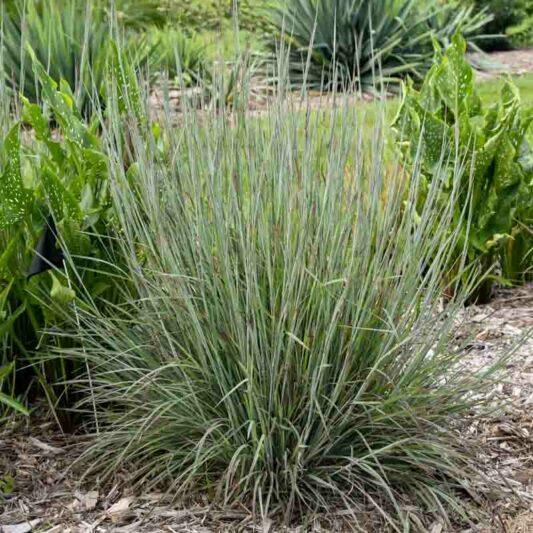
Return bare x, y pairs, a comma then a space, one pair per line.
504, 325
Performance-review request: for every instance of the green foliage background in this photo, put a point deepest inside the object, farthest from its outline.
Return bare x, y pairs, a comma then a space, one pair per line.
511, 18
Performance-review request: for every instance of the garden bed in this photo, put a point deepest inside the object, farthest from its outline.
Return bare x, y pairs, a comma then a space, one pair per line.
243, 302
49, 497
167, 105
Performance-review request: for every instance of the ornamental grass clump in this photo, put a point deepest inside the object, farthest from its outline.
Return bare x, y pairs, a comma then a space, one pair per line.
281, 344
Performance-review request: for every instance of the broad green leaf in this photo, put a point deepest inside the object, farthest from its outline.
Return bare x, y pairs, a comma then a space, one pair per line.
455, 77
14, 198
60, 293
430, 98
129, 96
492, 144
32, 114
509, 94
62, 105
491, 119
66, 93
62, 201
505, 157
485, 157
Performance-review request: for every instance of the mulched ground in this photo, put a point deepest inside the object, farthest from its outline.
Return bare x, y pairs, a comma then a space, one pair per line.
507, 436
47, 498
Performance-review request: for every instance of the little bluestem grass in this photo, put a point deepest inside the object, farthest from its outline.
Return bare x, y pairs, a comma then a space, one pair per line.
282, 342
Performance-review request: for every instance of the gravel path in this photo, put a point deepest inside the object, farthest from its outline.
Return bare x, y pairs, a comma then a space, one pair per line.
514, 62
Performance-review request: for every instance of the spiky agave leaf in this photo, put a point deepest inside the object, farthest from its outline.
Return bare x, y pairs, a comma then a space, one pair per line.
72, 39
338, 43
69, 38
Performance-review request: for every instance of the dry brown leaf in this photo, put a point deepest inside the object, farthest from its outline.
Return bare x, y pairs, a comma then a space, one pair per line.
120, 510
84, 502
45, 447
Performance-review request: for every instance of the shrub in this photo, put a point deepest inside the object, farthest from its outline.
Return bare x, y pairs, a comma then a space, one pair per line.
201, 15
445, 122
141, 14
282, 346
337, 43
512, 22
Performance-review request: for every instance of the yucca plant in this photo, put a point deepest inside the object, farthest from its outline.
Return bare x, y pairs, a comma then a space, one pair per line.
338, 43
283, 346
457, 16
71, 39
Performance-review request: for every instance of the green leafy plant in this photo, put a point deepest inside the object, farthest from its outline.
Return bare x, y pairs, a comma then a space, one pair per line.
445, 123
342, 42
57, 176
